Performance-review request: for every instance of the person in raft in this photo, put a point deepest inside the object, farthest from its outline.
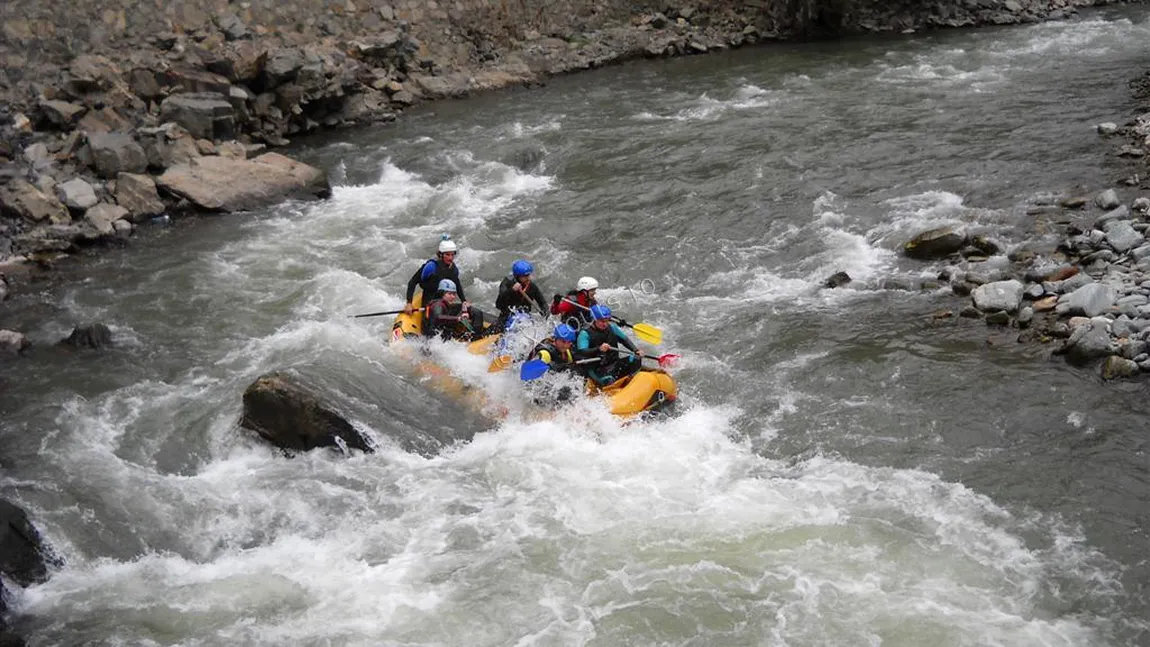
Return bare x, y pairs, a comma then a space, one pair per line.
433, 272
599, 340
517, 293
577, 303
448, 317
557, 351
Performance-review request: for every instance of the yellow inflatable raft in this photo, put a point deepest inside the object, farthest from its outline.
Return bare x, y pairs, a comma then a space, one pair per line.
646, 392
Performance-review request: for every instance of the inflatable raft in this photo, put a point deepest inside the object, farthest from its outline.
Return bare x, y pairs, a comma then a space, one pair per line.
649, 391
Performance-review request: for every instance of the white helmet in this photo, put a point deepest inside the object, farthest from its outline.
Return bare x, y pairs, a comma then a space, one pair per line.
448, 246
586, 283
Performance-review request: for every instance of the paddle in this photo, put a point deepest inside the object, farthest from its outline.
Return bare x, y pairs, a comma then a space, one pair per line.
644, 331
536, 368
378, 314
666, 360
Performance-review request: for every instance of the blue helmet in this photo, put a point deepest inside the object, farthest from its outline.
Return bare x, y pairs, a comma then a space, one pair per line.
447, 285
565, 332
600, 312
521, 268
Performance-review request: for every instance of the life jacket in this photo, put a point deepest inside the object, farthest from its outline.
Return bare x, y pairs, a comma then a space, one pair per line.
580, 298
433, 272
595, 337
452, 309
559, 360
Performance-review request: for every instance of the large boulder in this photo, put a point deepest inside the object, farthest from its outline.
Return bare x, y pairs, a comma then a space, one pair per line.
206, 115
23, 557
114, 153
229, 184
76, 194
935, 243
23, 200
137, 194
292, 416
93, 335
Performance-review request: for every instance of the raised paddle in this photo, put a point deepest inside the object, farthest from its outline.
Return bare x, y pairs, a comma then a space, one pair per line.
644, 331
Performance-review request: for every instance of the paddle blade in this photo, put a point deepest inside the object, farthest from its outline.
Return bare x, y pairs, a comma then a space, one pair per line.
533, 370
668, 360
648, 333
499, 363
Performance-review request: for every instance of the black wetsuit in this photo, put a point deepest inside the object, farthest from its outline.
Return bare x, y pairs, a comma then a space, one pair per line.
428, 276
510, 301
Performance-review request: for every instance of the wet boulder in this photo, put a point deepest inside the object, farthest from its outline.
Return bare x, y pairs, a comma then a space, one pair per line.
114, 153
1088, 342
229, 184
837, 280
93, 335
1005, 296
935, 243
24, 559
12, 342
290, 415
1090, 300
1116, 367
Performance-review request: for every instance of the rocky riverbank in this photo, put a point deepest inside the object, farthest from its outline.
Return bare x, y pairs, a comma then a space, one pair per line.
113, 116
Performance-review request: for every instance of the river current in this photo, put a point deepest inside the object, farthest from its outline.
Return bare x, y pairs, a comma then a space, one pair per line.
845, 469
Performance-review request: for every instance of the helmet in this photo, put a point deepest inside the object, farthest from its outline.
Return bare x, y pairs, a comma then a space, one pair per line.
521, 268
447, 285
447, 245
564, 332
600, 312
586, 283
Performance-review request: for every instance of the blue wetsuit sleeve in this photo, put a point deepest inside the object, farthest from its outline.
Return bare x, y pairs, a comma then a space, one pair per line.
622, 336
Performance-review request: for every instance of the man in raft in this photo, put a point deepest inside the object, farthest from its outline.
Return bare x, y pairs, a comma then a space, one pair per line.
517, 293
429, 275
577, 303
599, 340
557, 351
448, 317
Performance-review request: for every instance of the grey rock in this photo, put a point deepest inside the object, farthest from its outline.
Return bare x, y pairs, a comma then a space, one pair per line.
21, 199
206, 115
1107, 199
137, 194
115, 153
1122, 237
1089, 300
62, 113
997, 318
228, 184
77, 194
1000, 295
232, 26
103, 215
935, 243
1141, 205
1121, 213
1025, 317
12, 342
93, 335
1132, 349
1106, 128
1034, 291
291, 415
1088, 342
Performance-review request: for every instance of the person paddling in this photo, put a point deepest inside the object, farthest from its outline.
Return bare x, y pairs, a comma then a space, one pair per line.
583, 295
598, 340
448, 317
517, 293
557, 352
433, 271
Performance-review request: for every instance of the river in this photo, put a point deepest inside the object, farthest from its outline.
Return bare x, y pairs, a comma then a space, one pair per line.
844, 469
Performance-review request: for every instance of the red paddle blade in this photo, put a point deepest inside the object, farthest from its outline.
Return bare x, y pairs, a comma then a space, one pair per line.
668, 360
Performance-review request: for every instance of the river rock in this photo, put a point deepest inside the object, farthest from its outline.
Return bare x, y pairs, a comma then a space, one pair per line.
1000, 295
836, 280
1116, 367
23, 557
1088, 342
228, 184
12, 342
1120, 235
77, 194
935, 243
103, 216
21, 199
114, 153
292, 416
61, 113
1089, 300
1108, 199
93, 335
137, 194
206, 115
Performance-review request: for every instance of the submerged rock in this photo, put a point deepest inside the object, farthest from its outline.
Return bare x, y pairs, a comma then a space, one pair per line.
93, 335
935, 243
291, 416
